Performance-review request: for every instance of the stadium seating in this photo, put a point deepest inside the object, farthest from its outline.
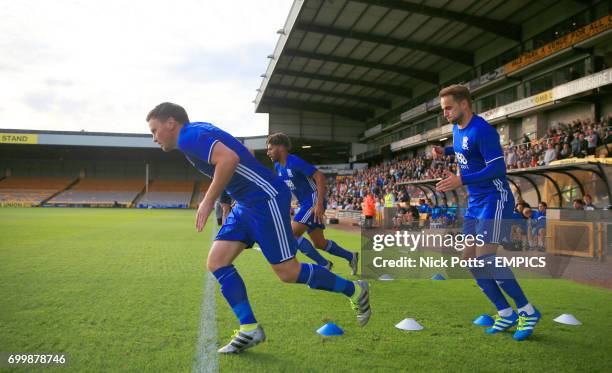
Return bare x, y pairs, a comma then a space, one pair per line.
100, 192
168, 194
29, 189
202, 191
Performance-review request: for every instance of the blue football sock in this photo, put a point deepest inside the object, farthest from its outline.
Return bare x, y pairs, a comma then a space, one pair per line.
505, 279
488, 285
234, 291
317, 277
336, 250
307, 249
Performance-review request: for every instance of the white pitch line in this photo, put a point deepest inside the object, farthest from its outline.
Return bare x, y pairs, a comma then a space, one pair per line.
207, 356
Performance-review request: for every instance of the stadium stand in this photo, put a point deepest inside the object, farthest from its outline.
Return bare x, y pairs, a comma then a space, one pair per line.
348, 193
167, 194
29, 190
100, 192
201, 192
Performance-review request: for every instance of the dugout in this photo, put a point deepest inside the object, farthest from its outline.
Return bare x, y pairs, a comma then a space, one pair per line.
568, 231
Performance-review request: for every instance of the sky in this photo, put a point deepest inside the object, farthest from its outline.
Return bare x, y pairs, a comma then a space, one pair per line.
77, 65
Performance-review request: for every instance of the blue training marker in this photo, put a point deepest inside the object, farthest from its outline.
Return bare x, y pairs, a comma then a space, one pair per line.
330, 329
438, 277
484, 320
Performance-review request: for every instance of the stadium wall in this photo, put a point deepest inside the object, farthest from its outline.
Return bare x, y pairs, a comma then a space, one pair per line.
570, 113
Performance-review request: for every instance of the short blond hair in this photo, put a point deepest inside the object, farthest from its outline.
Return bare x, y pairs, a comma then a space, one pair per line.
458, 91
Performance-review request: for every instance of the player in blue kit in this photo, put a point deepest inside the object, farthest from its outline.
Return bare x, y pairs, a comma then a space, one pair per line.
260, 214
480, 158
308, 185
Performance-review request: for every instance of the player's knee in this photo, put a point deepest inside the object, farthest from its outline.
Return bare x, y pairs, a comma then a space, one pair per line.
288, 273
212, 265
320, 244
215, 263
287, 277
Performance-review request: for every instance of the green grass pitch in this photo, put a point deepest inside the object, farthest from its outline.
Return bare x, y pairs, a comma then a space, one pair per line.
120, 290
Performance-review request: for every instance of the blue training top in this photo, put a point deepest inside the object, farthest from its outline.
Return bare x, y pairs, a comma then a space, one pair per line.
480, 157
297, 174
251, 183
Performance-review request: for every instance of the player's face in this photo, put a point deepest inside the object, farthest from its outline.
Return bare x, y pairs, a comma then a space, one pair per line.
451, 109
274, 152
163, 133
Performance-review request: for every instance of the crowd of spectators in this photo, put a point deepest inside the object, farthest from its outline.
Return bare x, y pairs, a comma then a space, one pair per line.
581, 138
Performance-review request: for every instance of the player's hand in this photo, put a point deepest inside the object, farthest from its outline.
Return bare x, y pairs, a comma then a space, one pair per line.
437, 151
202, 215
319, 213
451, 182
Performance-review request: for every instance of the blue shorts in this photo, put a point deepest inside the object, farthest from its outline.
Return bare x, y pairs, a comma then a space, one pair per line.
267, 223
535, 230
490, 216
305, 215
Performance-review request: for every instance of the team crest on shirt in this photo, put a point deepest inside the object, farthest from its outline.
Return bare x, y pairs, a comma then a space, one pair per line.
464, 143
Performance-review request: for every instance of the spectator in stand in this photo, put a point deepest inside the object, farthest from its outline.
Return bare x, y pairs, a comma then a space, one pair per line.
583, 146
592, 140
578, 204
511, 158
558, 151
357, 204
550, 154
548, 135
526, 139
575, 144
403, 198
556, 136
565, 137
520, 205
608, 139
588, 203
566, 151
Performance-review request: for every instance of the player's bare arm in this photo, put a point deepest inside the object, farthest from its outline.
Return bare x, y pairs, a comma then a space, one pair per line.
225, 161
319, 210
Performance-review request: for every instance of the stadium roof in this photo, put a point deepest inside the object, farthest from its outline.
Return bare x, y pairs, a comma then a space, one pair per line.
352, 57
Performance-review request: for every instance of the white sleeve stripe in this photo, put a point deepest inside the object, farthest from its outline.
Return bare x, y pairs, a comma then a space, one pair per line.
212, 146
501, 156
